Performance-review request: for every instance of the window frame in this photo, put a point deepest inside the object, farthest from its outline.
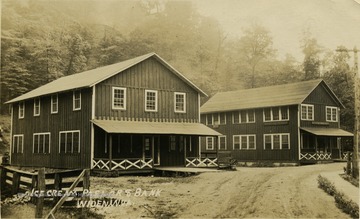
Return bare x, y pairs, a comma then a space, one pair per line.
113, 98
156, 100
72, 144
307, 106
240, 137
331, 113
17, 143
219, 142
21, 109
242, 112
212, 143
280, 141
75, 99
52, 104
49, 142
272, 115
37, 106
175, 102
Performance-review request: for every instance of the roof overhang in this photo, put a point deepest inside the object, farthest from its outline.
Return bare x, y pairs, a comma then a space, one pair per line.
141, 127
335, 132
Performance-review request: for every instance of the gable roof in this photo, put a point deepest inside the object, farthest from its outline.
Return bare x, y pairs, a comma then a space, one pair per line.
92, 77
279, 95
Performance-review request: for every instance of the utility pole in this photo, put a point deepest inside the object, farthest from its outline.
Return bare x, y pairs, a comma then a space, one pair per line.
355, 162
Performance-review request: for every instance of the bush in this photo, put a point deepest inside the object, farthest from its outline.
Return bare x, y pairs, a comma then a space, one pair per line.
342, 202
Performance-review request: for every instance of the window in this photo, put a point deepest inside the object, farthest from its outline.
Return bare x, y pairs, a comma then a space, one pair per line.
69, 142
276, 114
307, 112
209, 143
77, 100
150, 100
21, 110
41, 143
209, 119
54, 104
244, 142
180, 102
36, 107
222, 142
119, 98
244, 116
173, 143
276, 141
331, 114
18, 144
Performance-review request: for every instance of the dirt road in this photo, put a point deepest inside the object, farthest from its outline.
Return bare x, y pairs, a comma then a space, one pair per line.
284, 192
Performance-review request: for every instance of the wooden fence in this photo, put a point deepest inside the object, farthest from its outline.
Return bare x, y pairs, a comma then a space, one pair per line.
52, 184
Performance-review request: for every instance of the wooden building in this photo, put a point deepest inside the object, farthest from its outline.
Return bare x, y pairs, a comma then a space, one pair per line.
136, 114
294, 123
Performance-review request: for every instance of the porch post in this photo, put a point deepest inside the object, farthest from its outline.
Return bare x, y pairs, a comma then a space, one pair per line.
185, 145
110, 151
316, 144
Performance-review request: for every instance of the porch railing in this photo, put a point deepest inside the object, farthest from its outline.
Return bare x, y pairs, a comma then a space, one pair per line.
304, 156
122, 163
201, 162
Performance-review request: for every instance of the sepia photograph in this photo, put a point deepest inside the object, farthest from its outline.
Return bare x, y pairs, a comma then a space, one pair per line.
179, 109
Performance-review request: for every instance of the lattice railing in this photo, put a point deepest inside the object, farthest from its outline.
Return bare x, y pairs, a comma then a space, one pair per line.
315, 156
122, 164
201, 162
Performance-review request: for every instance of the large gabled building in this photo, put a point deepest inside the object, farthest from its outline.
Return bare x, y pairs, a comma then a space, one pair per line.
133, 115
296, 123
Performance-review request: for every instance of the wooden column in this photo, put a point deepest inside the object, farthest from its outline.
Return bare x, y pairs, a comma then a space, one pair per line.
3, 178
57, 186
110, 151
86, 186
40, 199
185, 146
15, 183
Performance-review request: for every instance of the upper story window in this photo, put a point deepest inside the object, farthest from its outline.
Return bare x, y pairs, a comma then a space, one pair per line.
37, 107
276, 141
209, 143
119, 98
244, 142
54, 104
216, 119
222, 142
331, 114
69, 142
77, 100
209, 119
21, 110
41, 143
18, 144
307, 112
276, 114
180, 102
244, 116
151, 100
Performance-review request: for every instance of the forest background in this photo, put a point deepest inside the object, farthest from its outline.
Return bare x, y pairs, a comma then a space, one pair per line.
44, 40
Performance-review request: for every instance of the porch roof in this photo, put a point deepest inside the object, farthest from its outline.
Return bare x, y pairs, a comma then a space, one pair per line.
141, 127
327, 131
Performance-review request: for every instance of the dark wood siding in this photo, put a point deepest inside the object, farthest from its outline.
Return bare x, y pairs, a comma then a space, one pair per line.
320, 98
259, 128
65, 120
150, 75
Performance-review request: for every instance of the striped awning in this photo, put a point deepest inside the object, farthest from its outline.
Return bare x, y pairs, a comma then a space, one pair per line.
336, 132
141, 127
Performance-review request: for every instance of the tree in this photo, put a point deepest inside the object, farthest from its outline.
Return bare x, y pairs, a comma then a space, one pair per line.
312, 63
255, 46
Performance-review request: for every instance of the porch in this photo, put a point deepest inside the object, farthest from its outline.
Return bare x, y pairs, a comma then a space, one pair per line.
148, 145
321, 144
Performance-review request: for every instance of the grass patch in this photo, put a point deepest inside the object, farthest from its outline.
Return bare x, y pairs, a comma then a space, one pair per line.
342, 202
350, 179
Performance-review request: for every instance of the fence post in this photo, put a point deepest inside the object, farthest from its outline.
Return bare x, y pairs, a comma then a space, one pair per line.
57, 187
86, 185
41, 187
3, 179
34, 184
15, 183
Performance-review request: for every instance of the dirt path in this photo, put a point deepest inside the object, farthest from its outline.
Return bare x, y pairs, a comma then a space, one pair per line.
286, 192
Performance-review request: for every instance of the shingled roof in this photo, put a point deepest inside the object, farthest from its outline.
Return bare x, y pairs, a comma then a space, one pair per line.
92, 77
279, 95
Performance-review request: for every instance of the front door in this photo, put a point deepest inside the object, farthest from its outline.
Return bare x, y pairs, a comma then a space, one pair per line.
152, 148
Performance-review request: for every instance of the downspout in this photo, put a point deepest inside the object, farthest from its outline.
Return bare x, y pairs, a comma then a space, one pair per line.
92, 135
